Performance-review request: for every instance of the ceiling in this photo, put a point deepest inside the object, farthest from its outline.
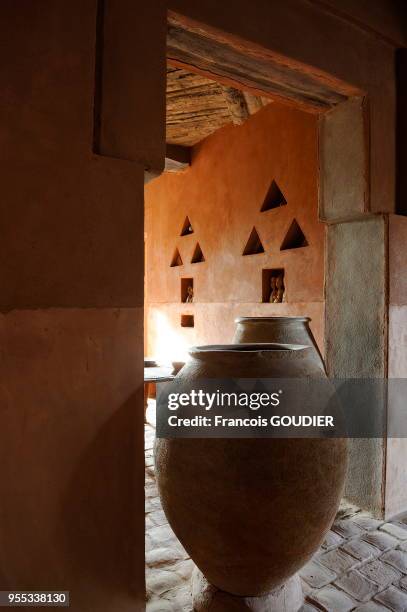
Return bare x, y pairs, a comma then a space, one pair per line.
198, 106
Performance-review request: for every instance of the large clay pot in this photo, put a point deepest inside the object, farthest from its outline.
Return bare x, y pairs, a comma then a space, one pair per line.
287, 330
250, 512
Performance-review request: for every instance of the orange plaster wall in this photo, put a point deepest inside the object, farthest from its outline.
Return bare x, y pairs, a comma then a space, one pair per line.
222, 193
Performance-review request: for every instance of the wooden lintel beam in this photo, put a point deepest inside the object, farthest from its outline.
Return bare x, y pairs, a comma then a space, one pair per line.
230, 60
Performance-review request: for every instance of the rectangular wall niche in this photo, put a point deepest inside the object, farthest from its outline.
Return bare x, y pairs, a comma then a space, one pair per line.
187, 320
268, 286
187, 290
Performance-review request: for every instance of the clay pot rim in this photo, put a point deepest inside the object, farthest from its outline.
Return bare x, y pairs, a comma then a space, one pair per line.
271, 319
269, 349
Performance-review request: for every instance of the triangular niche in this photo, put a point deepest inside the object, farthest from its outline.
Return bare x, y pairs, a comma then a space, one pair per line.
274, 198
294, 238
176, 259
197, 256
253, 245
187, 228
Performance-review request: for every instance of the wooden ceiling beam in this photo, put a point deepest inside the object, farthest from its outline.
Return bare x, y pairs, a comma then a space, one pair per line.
233, 62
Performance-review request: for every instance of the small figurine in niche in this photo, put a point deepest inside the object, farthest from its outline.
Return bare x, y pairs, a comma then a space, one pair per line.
280, 288
277, 289
273, 294
190, 294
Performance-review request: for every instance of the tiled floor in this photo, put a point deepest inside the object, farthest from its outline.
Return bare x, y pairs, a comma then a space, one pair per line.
361, 566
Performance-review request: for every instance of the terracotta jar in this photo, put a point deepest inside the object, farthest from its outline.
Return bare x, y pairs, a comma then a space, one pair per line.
288, 330
250, 512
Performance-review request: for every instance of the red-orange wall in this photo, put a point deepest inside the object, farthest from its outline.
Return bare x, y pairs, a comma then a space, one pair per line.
222, 193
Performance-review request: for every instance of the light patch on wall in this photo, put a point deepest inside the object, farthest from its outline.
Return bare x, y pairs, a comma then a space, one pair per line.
170, 344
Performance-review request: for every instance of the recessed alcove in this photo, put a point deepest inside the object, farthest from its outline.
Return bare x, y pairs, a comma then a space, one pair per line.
274, 198
187, 290
294, 238
266, 275
187, 320
176, 259
197, 256
254, 245
187, 228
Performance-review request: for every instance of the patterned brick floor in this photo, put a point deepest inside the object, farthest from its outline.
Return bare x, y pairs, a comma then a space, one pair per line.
361, 566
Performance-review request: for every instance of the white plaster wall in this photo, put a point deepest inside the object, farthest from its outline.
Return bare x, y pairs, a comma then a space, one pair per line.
396, 455
355, 336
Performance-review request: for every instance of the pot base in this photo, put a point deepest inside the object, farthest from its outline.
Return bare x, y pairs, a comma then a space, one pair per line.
208, 598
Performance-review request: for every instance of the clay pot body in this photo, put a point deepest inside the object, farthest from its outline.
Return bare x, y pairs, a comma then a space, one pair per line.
286, 330
250, 512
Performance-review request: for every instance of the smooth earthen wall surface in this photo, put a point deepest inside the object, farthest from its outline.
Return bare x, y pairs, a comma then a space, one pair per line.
222, 194
71, 309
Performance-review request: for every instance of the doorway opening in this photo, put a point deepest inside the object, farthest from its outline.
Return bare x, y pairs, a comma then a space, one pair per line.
244, 206
241, 190
220, 222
